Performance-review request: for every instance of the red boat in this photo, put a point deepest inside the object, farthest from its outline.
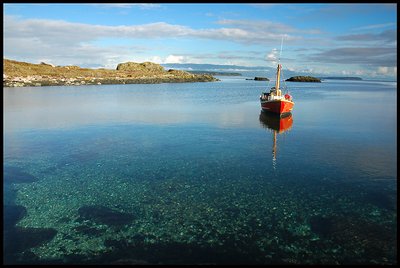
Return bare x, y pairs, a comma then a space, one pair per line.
274, 101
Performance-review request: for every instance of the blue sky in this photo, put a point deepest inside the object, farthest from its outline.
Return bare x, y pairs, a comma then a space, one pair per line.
331, 39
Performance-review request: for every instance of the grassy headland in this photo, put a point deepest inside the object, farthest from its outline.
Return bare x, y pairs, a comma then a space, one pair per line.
20, 74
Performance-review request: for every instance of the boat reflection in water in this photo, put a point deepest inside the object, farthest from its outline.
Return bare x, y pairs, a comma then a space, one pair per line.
278, 125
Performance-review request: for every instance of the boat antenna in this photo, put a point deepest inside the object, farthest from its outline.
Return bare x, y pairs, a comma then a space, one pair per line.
280, 53
279, 61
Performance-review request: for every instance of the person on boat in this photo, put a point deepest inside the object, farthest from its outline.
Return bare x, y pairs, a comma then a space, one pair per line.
264, 96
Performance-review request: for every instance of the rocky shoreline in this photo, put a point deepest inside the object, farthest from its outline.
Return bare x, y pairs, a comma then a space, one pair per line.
22, 74
40, 81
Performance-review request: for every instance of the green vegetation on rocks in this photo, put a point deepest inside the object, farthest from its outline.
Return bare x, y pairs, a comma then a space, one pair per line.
303, 79
20, 74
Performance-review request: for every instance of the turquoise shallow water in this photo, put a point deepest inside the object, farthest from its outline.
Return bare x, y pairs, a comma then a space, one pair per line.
185, 173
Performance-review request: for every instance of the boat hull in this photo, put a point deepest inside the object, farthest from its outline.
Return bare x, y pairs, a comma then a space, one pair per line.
280, 107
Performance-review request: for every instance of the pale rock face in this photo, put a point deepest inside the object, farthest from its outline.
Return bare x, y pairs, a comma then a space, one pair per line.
145, 66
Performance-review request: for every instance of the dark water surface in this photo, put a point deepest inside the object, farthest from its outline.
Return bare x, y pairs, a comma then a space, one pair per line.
194, 173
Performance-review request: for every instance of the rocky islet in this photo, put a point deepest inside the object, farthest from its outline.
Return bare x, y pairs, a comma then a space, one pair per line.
21, 74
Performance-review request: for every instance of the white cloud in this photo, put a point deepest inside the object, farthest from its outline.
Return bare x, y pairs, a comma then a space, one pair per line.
257, 25
273, 28
369, 56
359, 72
58, 31
345, 72
67, 43
155, 59
175, 59
374, 26
183, 59
384, 70
272, 57
242, 63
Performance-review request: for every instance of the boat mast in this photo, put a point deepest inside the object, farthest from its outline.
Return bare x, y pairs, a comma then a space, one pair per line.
278, 72
278, 76
274, 147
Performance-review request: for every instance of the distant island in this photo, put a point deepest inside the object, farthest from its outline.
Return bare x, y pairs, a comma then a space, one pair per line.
342, 78
215, 73
20, 74
303, 79
258, 78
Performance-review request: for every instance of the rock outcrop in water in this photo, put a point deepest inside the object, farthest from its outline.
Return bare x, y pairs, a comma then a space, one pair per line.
18, 239
20, 74
303, 79
12, 215
259, 78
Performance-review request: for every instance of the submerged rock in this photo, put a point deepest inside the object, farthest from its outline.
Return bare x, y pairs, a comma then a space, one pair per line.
129, 262
17, 240
12, 215
33, 237
16, 175
321, 225
104, 215
9, 194
382, 200
350, 233
178, 253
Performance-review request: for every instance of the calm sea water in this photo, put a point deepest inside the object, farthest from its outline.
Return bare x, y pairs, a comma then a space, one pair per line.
195, 173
